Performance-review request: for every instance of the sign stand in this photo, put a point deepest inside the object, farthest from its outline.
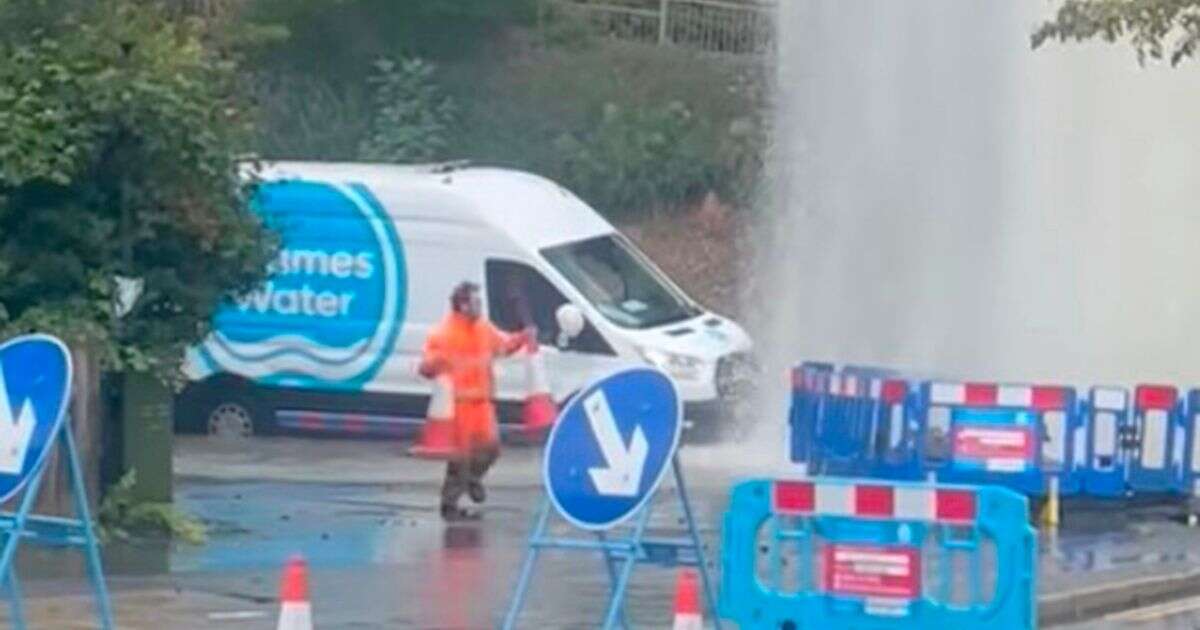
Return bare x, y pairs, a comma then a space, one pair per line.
620, 556
35, 392
53, 531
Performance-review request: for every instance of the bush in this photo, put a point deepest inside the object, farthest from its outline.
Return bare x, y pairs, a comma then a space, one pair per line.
637, 157
121, 517
118, 144
302, 117
337, 41
411, 116
628, 126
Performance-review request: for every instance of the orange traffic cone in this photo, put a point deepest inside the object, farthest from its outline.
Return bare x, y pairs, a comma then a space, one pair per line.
540, 411
687, 602
437, 436
295, 612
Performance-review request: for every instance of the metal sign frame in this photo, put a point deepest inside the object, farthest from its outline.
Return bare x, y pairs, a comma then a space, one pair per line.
52, 531
620, 555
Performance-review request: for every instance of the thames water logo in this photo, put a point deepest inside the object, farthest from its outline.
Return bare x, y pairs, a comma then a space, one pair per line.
35, 381
335, 301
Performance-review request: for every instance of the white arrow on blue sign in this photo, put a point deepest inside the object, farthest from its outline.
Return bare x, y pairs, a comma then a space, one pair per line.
611, 447
35, 386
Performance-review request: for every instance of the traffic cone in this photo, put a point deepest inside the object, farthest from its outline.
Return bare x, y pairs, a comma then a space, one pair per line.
540, 411
437, 436
687, 602
295, 611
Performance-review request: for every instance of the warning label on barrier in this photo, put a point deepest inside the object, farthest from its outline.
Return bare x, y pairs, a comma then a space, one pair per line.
873, 571
994, 448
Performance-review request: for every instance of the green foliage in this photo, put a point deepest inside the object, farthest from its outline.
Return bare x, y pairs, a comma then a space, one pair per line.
561, 25
678, 123
117, 145
337, 39
638, 157
21, 20
1157, 29
121, 517
411, 115
629, 127
301, 116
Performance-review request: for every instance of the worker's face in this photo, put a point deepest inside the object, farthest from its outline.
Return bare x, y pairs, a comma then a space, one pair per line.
472, 308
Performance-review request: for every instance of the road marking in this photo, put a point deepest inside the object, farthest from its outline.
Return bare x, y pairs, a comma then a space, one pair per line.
1158, 611
240, 615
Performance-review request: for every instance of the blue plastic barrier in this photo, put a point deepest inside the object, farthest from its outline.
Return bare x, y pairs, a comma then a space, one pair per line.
861, 421
800, 420
1155, 464
894, 451
844, 426
876, 556
1106, 417
1016, 436
809, 383
1191, 467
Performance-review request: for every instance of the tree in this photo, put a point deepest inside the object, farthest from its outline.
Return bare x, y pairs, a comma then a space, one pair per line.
1157, 29
411, 117
118, 136
117, 158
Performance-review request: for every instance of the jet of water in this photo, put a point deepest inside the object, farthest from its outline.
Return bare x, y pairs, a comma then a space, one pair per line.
948, 201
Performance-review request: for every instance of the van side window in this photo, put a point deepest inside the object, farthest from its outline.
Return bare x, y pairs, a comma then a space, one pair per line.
519, 296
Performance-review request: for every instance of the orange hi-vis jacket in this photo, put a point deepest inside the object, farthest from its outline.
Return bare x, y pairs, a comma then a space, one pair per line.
465, 349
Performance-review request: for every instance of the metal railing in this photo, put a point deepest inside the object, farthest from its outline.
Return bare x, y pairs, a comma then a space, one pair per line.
719, 26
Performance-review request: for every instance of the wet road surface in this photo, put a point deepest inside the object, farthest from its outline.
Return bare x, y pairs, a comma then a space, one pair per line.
1175, 615
382, 557
365, 518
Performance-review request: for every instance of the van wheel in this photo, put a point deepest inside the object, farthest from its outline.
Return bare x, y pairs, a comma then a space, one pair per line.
230, 420
235, 413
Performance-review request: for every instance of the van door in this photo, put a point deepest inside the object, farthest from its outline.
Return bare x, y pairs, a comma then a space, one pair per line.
519, 296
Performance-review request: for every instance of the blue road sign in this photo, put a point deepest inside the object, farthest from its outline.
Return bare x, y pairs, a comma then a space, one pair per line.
611, 446
35, 385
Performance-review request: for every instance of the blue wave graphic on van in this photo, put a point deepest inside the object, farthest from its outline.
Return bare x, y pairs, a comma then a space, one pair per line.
335, 301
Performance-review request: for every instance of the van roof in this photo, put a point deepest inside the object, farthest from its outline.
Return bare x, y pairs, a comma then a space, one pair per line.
532, 211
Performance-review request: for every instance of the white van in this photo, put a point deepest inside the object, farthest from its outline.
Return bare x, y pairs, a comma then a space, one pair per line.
370, 254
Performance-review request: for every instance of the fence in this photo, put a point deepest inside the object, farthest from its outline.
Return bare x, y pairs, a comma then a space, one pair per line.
878, 556
709, 25
1105, 444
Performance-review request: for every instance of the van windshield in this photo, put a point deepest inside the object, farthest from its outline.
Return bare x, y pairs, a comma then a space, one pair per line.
620, 282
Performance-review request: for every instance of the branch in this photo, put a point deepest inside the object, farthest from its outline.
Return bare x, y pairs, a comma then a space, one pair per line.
1152, 27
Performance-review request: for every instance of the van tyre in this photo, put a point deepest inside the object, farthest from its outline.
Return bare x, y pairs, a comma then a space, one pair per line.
230, 419
225, 409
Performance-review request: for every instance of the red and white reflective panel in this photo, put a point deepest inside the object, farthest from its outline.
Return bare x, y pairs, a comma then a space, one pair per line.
1041, 397
1110, 398
872, 501
873, 571
893, 391
890, 391
843, 385
806, 379
1155, 397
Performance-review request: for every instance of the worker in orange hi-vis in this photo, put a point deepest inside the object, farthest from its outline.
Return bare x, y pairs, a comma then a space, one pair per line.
464, 346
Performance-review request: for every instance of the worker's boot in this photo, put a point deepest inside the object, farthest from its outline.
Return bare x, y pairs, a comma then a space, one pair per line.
476, 491
453, 513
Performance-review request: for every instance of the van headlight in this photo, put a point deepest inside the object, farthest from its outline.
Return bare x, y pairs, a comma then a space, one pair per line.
679, 366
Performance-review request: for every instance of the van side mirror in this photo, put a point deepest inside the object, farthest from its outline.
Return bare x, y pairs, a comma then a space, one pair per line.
570, 323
